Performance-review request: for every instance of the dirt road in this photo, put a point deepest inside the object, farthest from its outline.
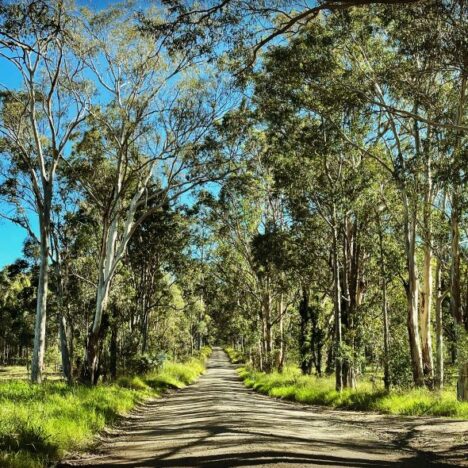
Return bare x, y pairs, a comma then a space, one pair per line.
218, 422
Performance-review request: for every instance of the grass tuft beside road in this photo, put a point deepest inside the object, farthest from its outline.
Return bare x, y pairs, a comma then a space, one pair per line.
292, 385
39, 424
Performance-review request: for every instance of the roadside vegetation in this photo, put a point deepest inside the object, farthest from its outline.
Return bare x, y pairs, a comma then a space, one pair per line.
369, 395
39, 424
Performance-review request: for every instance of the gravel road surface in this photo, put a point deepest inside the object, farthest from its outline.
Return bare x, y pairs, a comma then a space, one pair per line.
217, 422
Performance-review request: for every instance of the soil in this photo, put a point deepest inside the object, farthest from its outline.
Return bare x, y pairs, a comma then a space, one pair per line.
217, 422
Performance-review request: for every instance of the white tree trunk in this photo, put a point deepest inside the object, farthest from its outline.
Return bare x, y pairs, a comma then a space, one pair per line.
439, 375
426, 295
337, 309
426, 307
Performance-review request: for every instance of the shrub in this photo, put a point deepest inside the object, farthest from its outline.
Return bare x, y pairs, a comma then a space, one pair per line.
205, 352
144, 363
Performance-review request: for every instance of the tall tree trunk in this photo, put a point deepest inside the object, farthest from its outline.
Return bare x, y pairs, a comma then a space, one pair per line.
386, 331
144, 325
412, 293
337, 308
91, 365
91, 362
439, 374
305, 348
351, 297
426, 295
268, 332
462, 383
455, 290
113, 352
42, 291
64, 349
281, 350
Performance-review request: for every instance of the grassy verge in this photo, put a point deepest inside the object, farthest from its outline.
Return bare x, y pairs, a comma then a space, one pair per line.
291, 385
39, 424
235, 356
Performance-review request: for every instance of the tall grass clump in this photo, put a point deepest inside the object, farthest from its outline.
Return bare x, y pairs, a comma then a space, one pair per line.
40, 423
235, 356
291, 385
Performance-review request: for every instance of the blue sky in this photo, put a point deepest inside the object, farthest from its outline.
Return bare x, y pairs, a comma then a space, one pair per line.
12, 236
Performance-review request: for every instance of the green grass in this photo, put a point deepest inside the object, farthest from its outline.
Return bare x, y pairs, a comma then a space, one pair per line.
39, 424
291, 385
21, 372
235, 356
176, 375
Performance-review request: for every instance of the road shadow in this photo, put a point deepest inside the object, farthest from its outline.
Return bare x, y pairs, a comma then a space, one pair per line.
220, 423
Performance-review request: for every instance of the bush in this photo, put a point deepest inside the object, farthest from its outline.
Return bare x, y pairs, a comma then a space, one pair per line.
176, 375
400, 367
144, 363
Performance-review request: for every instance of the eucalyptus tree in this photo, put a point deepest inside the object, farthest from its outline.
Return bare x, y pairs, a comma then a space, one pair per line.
155, 251
38, 120
244, 27
422, 129
320, 172
147, 134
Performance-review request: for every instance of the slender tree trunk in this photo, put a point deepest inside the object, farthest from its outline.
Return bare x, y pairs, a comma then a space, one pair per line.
386, 331
144, 325
64, 349
42, 291
260, 356
113, 352
455, 290
304, 345
281, 333
337, 308
426, 295
268, 332
462, 384
439, 375
412, 293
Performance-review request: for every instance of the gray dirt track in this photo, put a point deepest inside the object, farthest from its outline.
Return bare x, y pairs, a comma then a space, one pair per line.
217, 422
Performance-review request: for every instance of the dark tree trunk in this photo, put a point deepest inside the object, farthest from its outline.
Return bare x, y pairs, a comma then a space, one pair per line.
304, 344
65, 350
113, 353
